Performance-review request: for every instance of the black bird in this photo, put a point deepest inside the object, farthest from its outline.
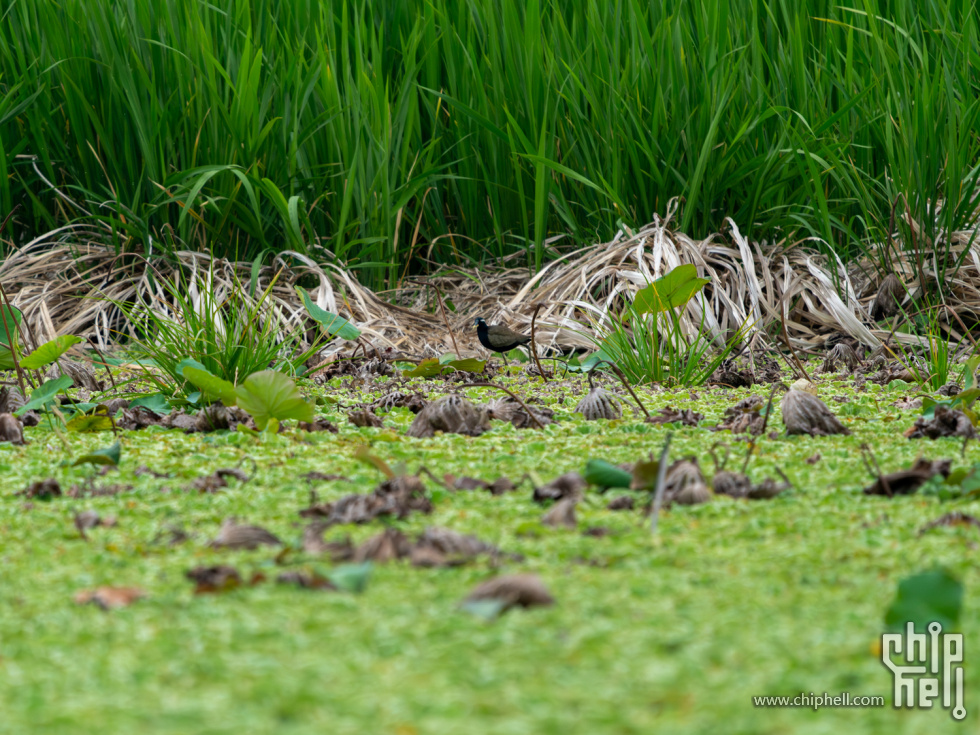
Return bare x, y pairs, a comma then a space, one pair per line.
499, 338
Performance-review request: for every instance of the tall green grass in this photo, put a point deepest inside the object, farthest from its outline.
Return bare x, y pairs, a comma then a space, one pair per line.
480, 128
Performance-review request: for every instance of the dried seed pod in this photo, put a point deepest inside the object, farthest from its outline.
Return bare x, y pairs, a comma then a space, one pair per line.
807, 414
841, 353
693, 493
365, 417
571, 484
11, 430
684, 483
733, 484
452, 415
889, 298
599, 404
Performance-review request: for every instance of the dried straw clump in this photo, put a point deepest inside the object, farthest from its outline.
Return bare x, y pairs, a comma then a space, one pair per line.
67, 283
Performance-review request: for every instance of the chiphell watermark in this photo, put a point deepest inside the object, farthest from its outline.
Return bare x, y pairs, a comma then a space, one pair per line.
926, 667
816, 701
925, 662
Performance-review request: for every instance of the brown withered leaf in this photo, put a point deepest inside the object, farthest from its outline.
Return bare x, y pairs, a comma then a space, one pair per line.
136, 419
397, 497
307, 579
144, 470
498, 487
464, 483
110, 598
769, 488
217, 417
43, 489
562, 514
216, 480
89, 489
668, 415
804, 413
414, 402
365, 417
953, 518
450, 415
316, 476
318, 425
235, 536
172, 534
909, 403
571, 484
728, 375
623, 502
502, 485
89, 519
512, 590
434, 547
889, 372
745, 417
456, 547
945, 422
179, 419
313, 543
813, 459
644, 474
906, 482
11, 429
387, 546
733, 484
220, 578
599, 403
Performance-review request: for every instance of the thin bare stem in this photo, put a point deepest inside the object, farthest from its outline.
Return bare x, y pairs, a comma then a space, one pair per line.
534, 344
658, 495
765, 423
796, 359
622, 379
105, 364
866, 454
511, 394
442, 310
4, 309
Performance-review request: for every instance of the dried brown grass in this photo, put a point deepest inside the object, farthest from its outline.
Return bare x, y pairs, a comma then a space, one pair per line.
66, 283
